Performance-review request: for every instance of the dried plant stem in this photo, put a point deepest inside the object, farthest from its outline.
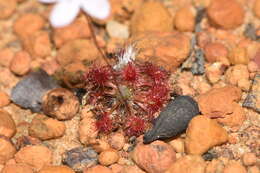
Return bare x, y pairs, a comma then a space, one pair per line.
106, 61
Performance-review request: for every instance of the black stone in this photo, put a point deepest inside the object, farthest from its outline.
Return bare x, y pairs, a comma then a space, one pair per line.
80, 158
174, 119
29, 91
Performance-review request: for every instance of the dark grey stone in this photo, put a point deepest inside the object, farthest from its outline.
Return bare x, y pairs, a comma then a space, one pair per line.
29, 91
80, 158
174, 119
198, 66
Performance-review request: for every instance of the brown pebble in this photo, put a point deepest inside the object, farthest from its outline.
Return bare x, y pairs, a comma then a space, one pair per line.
100, 145
253, 169
108, 157
202, 134
20, 63
117, 140
238, 75
36, 156
23, 141
132, 169
4, 99
249, 159
211, 103
188, 164
226, 14
156, 157
215, 166
87, 130
216, 52
56, 169
98, 169
78, 29
236, 118
60, 103
77, 50
168, 50
214, 72
178, 145
155, 10
7, 124
234, 167
38, 44
17, 168
116, 168
45, 128
6, 55
27, 24
7, 8
7, 149
184, 19
238, 55
256, 8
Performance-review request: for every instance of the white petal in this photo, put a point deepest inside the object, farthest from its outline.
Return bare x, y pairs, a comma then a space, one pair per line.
64, 13
48, 1
96, 8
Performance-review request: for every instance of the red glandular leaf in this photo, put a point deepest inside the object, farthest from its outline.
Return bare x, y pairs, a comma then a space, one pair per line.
98, 76
156, 73
130, 72
135, 126
104, 124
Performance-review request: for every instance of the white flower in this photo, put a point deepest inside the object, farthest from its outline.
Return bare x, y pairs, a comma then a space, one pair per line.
65, 11
128, 55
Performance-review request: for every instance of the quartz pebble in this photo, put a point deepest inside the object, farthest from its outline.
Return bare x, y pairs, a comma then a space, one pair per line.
17, 168
7, 149
36, 156
117, 30
188, 164
202, 134
56, 169
20, 64
161, 18
234, 166
7, 124
155, 157
108, 157
4, 99
46, 128
177, 145
226, 14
